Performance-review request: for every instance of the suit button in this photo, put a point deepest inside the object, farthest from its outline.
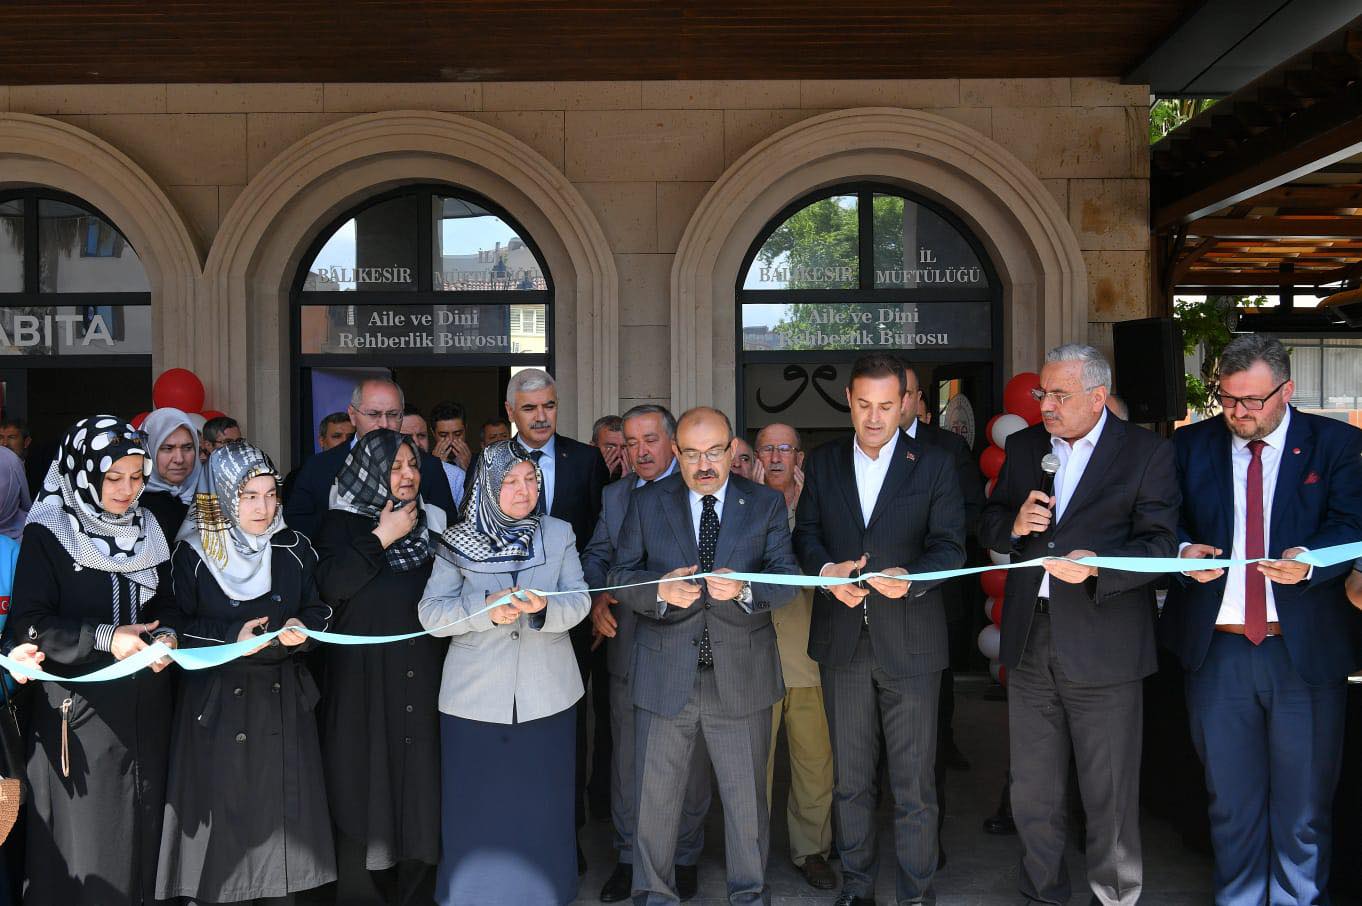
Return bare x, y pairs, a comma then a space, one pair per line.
1051, 545
241, 737
407, 740
238, 691
410, 674
274, 687
694, 643
411, 643
409, 709
514, 636
707, 605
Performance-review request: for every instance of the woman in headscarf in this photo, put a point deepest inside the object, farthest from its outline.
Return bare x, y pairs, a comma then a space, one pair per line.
89, 581
173, 442
380, 720
245, 814
14, 499
507, 725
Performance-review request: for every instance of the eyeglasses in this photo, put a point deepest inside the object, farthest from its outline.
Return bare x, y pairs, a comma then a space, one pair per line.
392, 415
1057, 397
1250, 403
713, 454
773, 449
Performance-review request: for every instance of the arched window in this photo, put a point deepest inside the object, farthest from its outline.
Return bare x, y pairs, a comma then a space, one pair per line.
434, 285
856, 268
75, 313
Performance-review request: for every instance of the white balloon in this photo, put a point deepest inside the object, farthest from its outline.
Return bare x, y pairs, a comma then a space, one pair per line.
1006, 425
988, 609
999, 559
989, 637
993, 668
198, 421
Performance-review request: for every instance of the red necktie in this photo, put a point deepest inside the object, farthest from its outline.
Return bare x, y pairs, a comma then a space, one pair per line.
1255, 584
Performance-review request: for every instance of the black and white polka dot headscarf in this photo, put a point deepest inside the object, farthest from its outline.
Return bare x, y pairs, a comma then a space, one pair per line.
69, 504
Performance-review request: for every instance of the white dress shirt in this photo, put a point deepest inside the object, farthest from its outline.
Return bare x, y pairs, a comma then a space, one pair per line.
547, 466
870, 473
1073, 460
911, 430
640, 482
1232, 604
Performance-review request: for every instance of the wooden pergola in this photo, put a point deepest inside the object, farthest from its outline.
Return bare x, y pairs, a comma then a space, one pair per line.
1262, 193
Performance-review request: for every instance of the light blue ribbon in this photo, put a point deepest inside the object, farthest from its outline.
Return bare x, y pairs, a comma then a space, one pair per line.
216, 655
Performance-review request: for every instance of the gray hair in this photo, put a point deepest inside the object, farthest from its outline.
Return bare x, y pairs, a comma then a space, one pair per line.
1096, 369
668, 420
357, 395
609, 423
793, 430
1241, 352
527, 381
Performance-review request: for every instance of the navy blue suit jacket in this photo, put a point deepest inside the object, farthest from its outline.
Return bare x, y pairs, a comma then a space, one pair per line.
1317, 503
309, 495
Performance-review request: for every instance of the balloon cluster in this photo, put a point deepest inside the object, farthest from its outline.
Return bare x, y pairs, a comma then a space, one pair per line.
1020, 410
179, 388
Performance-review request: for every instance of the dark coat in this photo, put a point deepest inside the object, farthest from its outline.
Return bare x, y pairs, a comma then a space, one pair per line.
380, 721
1125, 505
918, 523
167, 510
246, 813
92, 836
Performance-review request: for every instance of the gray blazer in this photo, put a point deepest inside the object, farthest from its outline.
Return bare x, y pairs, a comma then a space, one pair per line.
525, 668
597, 559
659, 536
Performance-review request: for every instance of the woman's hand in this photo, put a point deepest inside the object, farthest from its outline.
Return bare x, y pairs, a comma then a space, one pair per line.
394, 525
502, 614
127, 640
293, 634
531, 602
28, 655
248, 632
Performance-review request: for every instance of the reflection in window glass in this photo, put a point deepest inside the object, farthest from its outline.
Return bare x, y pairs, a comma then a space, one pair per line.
373, 251
816, 248
76, 330
1328, 376
915, 248
477, 250
11, 246
80, 252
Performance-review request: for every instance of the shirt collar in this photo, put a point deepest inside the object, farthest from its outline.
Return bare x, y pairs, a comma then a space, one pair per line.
1276, 440
547, 448
696, 498
886, 452
911, 430
640, 482
1091, 437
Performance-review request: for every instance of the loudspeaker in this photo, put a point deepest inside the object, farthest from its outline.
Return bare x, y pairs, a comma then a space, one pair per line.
1149, 369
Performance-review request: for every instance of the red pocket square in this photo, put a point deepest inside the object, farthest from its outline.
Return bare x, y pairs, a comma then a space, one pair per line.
1312, 478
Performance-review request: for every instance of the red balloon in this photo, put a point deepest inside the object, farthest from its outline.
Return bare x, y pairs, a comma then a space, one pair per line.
210, 414
1002, 675
139, 418
997, 614
178, 388
988, 428
991, 462
1017, 397
994, 582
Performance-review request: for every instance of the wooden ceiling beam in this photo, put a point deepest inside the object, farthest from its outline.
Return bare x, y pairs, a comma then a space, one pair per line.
1268, 227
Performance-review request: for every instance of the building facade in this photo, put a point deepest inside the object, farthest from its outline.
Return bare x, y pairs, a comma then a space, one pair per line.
726, 243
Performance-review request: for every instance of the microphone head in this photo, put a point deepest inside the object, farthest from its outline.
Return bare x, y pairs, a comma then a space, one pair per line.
1049, 464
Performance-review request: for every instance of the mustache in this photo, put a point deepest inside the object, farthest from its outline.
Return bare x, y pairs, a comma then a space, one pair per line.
541, 424
706, 473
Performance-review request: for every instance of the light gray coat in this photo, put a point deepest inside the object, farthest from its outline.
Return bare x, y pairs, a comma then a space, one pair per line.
525, 668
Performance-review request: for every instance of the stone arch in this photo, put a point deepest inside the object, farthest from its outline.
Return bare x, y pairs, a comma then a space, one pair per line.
1019, 222
37, 151
259, 247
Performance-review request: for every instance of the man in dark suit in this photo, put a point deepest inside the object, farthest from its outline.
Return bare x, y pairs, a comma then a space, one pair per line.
375, 403
956, 595
648, 434
1268, 647
1078, 642
705, 656
881, 501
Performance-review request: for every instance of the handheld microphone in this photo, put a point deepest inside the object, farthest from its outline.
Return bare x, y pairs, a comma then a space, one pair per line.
1049, 465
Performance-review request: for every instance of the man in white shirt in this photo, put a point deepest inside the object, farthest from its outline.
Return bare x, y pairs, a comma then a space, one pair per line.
1078, 642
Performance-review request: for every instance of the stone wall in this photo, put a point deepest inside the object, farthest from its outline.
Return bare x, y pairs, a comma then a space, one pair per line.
643, 154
